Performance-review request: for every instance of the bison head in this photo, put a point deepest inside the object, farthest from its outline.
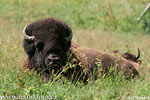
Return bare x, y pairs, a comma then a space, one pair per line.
132, 57
46, 43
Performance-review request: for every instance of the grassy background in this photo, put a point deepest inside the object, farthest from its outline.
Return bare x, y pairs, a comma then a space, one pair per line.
105, 25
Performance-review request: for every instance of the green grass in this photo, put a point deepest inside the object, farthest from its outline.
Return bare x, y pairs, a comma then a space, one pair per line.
105, 25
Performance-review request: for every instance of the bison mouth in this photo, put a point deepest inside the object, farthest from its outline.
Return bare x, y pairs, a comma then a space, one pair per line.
53, 66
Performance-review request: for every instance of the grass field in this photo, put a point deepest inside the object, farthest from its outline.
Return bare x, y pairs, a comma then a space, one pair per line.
105, 25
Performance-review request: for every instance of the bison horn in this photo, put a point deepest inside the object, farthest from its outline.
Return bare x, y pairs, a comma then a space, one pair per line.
68, 38
27, 37
138, 54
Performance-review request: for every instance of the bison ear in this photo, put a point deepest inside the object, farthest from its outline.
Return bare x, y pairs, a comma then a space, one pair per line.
69, 35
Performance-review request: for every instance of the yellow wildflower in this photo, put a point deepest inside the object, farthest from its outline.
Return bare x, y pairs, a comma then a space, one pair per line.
26, 70
87, 79
31, 88
20, 79
119, 98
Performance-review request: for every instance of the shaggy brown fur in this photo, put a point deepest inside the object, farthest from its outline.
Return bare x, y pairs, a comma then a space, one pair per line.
51, 49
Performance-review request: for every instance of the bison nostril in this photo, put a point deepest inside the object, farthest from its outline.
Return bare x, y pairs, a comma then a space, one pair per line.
49, 60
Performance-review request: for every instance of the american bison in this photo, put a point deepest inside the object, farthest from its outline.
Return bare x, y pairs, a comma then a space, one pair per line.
49, 48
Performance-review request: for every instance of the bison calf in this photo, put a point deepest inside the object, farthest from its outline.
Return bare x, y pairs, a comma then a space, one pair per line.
49, 47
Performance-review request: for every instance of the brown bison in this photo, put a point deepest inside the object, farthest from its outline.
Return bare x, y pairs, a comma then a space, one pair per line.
49, 48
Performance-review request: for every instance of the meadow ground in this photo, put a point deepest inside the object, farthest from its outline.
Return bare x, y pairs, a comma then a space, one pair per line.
105, 25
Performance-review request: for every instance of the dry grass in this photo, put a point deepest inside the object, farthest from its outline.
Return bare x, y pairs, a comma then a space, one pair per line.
110, 41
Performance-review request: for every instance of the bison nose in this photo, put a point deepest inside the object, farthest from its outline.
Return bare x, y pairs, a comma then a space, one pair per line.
52, 59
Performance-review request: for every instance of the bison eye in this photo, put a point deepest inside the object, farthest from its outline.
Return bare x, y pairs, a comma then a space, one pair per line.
39, 46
